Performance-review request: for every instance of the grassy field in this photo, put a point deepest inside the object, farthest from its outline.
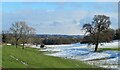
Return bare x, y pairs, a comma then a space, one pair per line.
31, 58
113, 49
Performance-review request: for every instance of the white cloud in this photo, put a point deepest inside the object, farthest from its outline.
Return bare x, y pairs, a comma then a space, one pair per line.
59, 22
54, 22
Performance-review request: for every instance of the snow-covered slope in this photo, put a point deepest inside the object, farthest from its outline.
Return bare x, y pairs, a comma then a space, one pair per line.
86, 53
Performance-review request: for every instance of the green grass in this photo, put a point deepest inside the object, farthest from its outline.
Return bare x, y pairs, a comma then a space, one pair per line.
36, 59
113, 49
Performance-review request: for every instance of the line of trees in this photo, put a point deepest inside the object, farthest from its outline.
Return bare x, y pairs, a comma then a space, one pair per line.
51, 41
105, 36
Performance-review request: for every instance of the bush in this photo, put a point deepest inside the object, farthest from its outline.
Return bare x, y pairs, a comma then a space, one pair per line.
42, 46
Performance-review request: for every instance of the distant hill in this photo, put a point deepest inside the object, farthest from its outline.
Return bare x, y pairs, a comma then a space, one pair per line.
58, 36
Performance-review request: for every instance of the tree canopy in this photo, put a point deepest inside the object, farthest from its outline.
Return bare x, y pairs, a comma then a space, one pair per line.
98, 26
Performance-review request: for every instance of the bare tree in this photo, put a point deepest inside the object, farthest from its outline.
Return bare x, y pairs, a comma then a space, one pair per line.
99, 24
16, 30
27, 31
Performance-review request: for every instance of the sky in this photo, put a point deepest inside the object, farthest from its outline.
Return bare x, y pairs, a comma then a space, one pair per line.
57, 17
60, 0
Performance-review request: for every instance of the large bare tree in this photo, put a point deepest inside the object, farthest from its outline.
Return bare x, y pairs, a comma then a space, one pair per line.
99, 24
16, 30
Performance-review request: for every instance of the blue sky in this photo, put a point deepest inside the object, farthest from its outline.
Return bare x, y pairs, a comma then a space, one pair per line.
57, 17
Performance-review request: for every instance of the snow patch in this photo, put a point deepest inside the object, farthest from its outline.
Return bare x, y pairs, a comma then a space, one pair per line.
105, 59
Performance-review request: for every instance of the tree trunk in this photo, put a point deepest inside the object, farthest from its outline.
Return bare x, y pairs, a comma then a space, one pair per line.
23, 45
96, 47
97, 42
16, 43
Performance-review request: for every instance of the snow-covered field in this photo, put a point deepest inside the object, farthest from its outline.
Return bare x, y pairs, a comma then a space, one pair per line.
83, 52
